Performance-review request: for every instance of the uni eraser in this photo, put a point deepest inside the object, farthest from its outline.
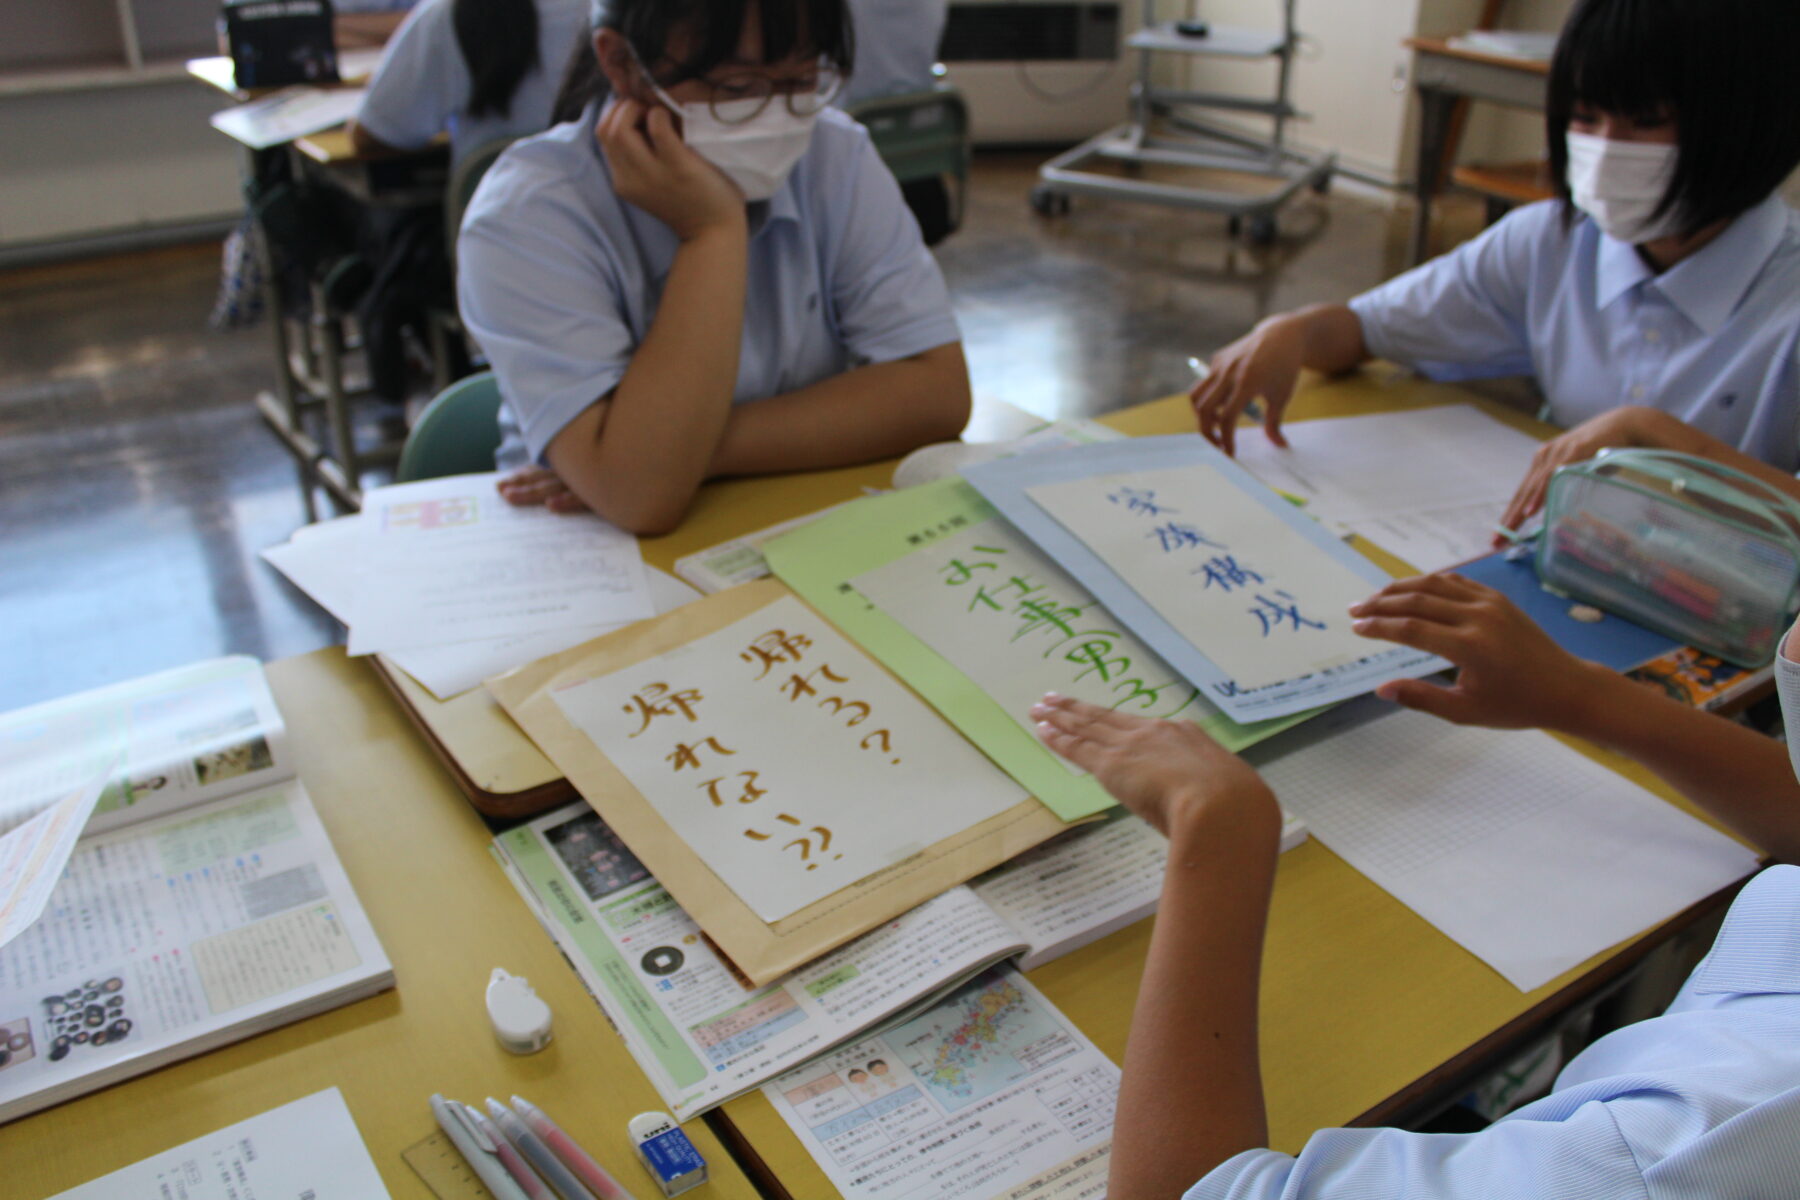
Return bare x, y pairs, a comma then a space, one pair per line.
666, 1153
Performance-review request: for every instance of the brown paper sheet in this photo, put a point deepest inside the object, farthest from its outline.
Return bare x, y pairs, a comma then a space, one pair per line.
761, 950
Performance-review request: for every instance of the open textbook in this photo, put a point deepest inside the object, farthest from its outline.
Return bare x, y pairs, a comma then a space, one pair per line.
704, 1034
204, 902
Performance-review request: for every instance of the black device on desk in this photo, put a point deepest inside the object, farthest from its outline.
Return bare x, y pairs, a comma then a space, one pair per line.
274, 43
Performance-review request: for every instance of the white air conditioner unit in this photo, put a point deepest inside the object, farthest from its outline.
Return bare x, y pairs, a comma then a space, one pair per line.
1037, 71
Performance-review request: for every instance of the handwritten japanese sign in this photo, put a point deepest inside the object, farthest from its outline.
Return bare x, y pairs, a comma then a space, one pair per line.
1244, 587
789, 762
1019, 626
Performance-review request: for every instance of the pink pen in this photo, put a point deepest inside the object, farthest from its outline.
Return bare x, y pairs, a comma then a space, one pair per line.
509, 1158
572, 1155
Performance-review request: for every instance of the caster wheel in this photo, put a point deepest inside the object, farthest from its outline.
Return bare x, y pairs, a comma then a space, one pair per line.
1262, 230
1322, 185
1047, 203
1234, 226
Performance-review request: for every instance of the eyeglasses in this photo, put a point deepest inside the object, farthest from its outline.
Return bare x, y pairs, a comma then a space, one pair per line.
805, 95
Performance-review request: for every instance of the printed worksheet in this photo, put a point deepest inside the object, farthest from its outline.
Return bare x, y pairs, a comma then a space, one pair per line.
449, 560
1229, 575
309, 1148
990, 1094
785, 758
701, 1033
1427, 486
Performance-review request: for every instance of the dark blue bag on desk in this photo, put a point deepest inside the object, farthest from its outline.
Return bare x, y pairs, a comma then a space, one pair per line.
274, 43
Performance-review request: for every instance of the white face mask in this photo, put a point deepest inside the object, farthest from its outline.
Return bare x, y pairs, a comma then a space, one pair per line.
755, 153
1620, 184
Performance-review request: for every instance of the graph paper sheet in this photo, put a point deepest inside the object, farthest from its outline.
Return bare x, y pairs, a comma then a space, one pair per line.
1529, 855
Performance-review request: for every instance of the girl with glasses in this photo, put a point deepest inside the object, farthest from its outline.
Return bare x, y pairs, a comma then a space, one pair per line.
708, 272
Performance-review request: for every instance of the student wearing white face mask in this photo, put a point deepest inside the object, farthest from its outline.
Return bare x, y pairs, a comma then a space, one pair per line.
1656, 304
708, 272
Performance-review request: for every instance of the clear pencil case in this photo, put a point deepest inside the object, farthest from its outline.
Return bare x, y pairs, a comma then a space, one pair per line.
1685, 546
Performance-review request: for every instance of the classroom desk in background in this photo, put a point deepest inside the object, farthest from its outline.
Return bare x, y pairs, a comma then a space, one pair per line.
311, 347
417, 856
1444, 75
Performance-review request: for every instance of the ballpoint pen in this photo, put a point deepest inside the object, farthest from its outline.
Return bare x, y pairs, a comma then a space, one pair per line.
572, 1155
476, 1148
537, 1153
509, 1158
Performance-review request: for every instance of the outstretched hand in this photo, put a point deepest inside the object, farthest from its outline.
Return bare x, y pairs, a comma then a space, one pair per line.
1510, 675
1155, 768
1263, 364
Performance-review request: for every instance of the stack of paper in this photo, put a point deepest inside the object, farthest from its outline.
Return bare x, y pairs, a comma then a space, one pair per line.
453, 585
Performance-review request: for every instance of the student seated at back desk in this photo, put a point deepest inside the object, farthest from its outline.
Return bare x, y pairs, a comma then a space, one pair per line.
1703, 1101
479, 70
896, 51
708, 273
1657, 303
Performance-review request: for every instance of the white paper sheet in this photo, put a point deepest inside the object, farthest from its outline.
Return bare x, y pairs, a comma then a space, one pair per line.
1230, 576
1531, 856
1018, 626
309, 1148
989, 1094
288, 114
449, 560
790, 762
1427, 486
450, 670
32, 856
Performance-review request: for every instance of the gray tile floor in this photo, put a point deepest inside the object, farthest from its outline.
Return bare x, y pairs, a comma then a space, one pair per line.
137, 484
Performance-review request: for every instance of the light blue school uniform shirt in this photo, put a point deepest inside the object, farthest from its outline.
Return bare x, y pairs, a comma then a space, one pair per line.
560, 280
1714, 340
896, 47
1701, 1103
421, 86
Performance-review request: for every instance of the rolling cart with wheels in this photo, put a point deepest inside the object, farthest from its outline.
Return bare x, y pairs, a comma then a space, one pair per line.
1164, 130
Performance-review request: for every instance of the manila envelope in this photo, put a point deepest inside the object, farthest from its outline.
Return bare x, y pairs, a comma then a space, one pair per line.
762, 951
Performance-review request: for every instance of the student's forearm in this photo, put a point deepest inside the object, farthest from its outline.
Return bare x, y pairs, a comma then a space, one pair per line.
1736, 774
638, 459
1192, 1093
1650, 427
1329, 337
871, 412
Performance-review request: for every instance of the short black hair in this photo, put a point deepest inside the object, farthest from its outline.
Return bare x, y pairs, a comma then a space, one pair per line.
1727, 71
790, 28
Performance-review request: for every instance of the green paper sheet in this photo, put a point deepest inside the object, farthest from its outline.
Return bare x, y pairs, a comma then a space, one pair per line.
971, 569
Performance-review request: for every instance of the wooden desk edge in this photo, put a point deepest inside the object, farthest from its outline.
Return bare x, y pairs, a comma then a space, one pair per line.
1442, 47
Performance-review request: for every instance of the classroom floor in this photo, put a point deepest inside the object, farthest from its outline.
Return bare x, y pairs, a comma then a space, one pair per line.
137, 484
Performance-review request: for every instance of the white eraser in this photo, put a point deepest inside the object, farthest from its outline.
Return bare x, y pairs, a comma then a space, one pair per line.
521, 1020
666, 1152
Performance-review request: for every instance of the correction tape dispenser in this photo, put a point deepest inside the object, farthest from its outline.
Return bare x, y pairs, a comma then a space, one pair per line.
521, 1021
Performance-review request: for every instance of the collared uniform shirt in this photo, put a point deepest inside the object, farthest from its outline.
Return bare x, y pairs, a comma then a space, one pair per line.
421, 86
1714, 340
560, 280
1701, 1103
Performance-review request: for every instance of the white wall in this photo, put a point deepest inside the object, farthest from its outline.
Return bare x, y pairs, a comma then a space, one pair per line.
114, 159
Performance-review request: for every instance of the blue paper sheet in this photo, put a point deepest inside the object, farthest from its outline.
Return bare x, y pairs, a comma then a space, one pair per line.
1612, 641
1005, 484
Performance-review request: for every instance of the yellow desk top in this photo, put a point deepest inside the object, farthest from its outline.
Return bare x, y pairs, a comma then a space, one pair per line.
417, 856
497, 759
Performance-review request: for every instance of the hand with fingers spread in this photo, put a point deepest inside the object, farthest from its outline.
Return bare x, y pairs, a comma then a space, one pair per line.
1621, 427
655, 170
1160, 770
1266, 363
1510, 674
540, 485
